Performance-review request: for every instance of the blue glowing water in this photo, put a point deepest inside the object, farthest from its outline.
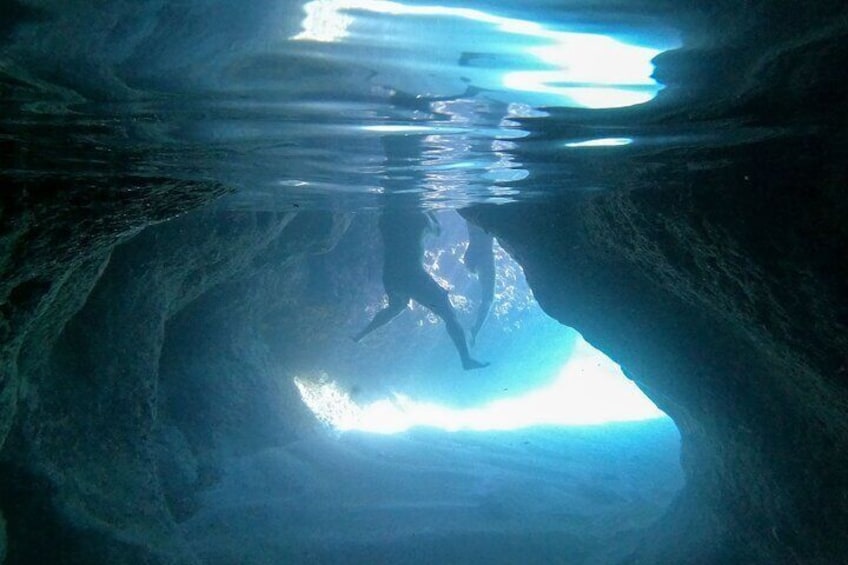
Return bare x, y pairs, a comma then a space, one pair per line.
541, 374
293, 102
463, 80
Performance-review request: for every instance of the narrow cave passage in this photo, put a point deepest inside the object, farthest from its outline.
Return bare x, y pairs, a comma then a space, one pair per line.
548, 455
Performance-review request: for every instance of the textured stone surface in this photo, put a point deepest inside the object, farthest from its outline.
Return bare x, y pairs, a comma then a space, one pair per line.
709, 297
2, 538
89, 425
55, 236
222, 392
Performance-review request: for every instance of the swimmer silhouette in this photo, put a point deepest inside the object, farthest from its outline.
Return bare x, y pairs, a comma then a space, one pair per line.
405, 279
480, 259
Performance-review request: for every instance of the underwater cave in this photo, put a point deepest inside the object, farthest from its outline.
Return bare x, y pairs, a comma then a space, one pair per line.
367, 281
386, 450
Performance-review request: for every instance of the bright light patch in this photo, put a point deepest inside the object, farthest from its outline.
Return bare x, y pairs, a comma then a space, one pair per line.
589, 390
326, 20
586, 70
412, 130
603, 142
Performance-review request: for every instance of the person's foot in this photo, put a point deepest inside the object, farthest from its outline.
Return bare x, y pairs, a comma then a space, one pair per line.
469, 364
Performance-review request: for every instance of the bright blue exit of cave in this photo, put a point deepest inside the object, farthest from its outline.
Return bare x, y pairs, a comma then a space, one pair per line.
435, 50
588, 390
541, 374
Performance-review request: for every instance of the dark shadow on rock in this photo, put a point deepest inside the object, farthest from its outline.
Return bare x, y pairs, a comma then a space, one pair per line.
705, 294
90, 422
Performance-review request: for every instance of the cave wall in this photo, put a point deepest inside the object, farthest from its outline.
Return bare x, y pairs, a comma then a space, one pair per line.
2, 538
224, 391
85, 455
55, 236
723, 295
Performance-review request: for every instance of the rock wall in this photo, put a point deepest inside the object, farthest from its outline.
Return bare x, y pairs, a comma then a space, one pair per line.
56, 236
2, 538
86, 453
724, 297
222, 390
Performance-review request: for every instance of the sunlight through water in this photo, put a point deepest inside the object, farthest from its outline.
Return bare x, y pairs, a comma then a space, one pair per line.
602, 142
589, 390
534, 63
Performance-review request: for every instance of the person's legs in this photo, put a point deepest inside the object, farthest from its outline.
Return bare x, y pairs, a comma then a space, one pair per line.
397, 304
429, 294
480, 259
486, 276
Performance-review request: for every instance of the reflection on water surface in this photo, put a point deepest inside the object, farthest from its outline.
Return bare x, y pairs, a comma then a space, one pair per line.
300, 109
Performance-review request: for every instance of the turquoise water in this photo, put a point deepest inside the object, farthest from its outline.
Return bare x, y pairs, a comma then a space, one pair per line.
536, 496
540, 372
295, 103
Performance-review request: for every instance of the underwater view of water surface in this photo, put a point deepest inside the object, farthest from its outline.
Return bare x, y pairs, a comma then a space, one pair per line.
339, 103
337, 335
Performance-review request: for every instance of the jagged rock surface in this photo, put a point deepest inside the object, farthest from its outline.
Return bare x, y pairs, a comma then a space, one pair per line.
710, 298
89, 431
56, 238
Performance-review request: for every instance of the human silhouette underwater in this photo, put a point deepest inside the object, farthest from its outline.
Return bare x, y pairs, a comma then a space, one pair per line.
479, 259
405, 279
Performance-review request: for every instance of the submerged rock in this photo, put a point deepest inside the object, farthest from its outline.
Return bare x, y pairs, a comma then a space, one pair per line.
88, 424
56, 237
2, 538
709, 298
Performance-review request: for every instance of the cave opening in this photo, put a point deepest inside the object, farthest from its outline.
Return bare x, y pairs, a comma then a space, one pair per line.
541, 373
312, 447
